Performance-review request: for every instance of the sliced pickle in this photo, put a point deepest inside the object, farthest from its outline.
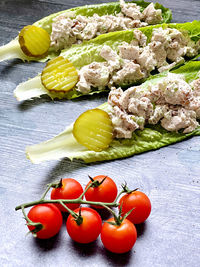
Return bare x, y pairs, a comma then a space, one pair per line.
59, 75
34, 41
94, 130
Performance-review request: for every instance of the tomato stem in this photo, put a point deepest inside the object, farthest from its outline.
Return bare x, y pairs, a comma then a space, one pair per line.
79, 218
118, 196
66, 201
57, 185
37, 225
79, 200
96, 183
46, 191
90, 185
126, 189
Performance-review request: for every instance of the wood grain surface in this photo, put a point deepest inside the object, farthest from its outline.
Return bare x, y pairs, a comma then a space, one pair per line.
169, 176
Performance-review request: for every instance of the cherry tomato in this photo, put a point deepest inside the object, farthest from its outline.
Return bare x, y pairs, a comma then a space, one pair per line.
88, 230
118, 239
141, 204
49, 216
70, 189
105, 192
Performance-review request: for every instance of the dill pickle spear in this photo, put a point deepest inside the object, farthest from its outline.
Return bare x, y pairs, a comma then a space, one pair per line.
94, 130
59, 75
34, 41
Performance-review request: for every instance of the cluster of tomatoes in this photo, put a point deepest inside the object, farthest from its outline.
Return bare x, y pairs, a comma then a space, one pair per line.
118, 234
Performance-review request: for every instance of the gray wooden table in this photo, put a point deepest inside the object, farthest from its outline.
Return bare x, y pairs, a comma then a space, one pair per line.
170, 176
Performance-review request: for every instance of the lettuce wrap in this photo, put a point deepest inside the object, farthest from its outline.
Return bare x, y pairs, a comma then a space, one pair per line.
151, 138
12, 49
88, 52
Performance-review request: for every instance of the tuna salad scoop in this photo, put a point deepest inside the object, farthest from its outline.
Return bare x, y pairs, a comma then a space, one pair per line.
68, 30
136, 60
172, 102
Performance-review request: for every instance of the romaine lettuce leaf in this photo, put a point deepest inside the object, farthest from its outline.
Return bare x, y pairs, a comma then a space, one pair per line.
151, 138
12, 49
88, 52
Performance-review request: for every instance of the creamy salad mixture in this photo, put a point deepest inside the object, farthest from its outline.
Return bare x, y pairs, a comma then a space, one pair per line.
135, 61
67, 30
172, 102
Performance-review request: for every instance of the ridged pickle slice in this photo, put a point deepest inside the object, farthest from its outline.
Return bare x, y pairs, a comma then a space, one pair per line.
34, 41
94, 130
59, 75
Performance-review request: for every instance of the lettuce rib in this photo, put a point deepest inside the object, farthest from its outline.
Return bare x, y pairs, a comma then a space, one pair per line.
151, 138
12, 49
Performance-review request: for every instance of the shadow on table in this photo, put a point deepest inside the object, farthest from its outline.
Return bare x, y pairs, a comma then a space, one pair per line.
62, 169
105, 214
65, 166
30, 103
87, 250
5, 69
47, 244
118, 259
8, 67
84, 250
141, 228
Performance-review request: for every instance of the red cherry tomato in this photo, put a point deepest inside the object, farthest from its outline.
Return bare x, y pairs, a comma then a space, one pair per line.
49, 216
88, 230
105, 192
70, 189
141, 204
118, 239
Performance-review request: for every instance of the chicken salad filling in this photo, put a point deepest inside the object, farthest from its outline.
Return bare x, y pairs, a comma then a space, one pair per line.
136, 60
67, 30
173, 102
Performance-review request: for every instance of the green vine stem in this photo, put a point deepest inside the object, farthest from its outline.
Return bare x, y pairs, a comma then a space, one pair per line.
78, 200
